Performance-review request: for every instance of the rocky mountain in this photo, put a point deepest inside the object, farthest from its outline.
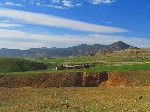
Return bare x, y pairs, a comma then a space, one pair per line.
117, 46
82, 49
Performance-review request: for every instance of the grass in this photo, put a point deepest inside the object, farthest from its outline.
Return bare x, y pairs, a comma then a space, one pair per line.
115, 99
108, 68
116, 61
121, 56
19, 65
133, 67
120, 61
98, 68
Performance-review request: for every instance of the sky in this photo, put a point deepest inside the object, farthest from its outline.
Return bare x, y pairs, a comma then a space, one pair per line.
28, 24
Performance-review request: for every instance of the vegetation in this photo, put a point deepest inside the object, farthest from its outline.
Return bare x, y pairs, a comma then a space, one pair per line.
111, 57
102, 99
115, 61
19, 65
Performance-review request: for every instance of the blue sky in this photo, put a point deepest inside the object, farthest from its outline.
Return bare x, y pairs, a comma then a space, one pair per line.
62, 23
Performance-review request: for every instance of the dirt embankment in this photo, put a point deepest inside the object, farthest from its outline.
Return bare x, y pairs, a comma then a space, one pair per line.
128, 78
54, 80
131, 78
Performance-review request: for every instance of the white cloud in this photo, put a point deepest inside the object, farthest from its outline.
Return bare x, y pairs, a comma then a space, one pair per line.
5, 25
66, 4
55, 1
102, 1
54, 21
55, 6
19, 45
38, 4
58, 4
12, 4
8, 39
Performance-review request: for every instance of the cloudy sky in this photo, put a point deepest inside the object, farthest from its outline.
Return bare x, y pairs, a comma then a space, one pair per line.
62, 23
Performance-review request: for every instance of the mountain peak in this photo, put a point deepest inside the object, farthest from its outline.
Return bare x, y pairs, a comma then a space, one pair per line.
120, 45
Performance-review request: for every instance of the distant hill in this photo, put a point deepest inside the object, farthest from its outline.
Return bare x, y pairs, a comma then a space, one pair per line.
19, 65
82, 49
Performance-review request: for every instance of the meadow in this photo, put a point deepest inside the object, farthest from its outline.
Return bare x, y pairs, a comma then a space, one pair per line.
8, 65
115, 61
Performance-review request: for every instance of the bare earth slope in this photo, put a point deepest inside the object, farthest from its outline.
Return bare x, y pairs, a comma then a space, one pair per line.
77, 79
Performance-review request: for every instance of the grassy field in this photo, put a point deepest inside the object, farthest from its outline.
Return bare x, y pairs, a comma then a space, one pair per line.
97, 68
116, 61
19, 65
111, 67
115, 99
120, 56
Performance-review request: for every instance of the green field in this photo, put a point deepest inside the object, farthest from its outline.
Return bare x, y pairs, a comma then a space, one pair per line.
115, 61
120, 56
19, 65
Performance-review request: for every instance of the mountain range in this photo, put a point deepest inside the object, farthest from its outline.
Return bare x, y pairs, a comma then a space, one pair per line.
82, 49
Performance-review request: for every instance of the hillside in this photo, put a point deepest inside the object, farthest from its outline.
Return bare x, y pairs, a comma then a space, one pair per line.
82, 49
19, 65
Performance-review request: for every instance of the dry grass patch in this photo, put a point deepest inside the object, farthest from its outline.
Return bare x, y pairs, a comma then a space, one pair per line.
115, 99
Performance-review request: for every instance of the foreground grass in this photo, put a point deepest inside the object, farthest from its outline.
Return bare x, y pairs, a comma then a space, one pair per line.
100, 99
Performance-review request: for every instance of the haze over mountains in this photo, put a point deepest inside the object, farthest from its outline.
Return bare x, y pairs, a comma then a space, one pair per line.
82, 49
